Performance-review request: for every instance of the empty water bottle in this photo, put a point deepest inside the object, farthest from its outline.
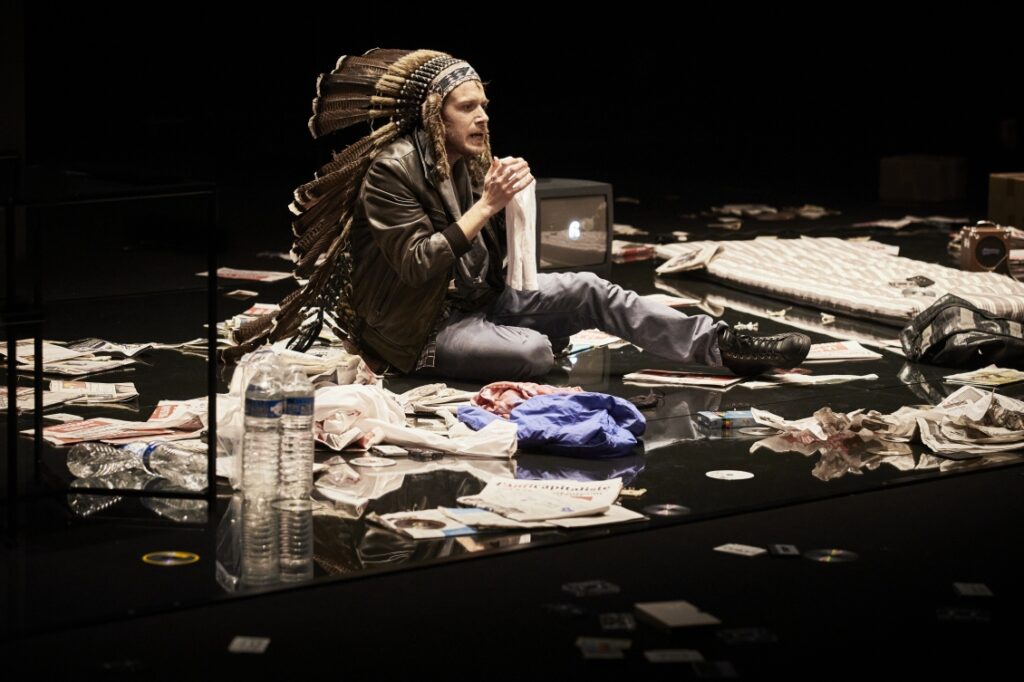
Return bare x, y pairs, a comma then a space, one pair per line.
297, 437
260, 561
89, 460
261, 442
129, 479
174, 508
181, 466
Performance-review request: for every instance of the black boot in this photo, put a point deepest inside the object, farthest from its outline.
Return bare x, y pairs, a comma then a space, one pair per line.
749, 355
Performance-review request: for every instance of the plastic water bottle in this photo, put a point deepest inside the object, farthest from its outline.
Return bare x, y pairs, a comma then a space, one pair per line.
260, 561
174, 508
261, 443
181, 466
295, 523
90, 460
129, 479
297, 437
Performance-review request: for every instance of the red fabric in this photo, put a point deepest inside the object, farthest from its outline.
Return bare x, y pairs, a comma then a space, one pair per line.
501, 397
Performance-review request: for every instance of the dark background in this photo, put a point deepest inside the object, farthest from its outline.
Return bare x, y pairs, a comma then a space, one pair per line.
644, 101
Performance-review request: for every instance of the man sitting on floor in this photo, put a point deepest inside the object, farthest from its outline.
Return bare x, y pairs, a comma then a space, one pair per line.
404, 236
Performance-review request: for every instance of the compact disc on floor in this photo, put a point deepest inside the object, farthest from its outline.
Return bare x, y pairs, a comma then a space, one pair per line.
666, 510
729, 475
430, 524
170, 558
369, 461
889, 449
830, 555
758, 430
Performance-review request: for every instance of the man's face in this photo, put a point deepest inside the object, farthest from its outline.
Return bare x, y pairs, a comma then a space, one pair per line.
465, 121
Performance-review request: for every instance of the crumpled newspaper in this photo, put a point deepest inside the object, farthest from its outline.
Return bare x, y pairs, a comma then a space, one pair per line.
970, 423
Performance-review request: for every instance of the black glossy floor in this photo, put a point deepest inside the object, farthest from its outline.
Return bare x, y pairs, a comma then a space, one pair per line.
77, 596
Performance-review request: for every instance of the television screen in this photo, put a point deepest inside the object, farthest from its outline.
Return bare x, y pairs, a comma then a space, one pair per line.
572, 231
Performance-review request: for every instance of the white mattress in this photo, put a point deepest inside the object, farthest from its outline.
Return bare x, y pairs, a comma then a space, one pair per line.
851, 277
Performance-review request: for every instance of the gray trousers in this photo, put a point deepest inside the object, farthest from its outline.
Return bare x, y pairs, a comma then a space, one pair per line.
511, 338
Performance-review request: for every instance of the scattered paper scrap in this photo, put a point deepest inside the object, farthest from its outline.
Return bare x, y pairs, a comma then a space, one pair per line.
740, 550
249, 275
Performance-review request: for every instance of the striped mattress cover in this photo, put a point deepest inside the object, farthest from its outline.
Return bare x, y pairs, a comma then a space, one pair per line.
851, 277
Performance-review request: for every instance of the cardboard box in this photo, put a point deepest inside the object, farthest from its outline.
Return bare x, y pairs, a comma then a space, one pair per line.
1006, 199
922, 177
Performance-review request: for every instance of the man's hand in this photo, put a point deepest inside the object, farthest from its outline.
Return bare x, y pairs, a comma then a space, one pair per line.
505, 178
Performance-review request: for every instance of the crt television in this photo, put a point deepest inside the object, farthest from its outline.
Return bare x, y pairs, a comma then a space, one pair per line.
574, 225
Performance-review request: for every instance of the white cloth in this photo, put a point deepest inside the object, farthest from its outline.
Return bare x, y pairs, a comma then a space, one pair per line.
338, 410
521, 236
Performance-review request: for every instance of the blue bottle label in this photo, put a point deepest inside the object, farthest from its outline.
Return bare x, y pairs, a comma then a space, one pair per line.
299, 406
263, 409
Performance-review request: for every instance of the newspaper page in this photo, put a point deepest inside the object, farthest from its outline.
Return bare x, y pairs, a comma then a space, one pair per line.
124, 350
91, 392
840, 350
987, 376
26, 398
795, 379
689, 256
592, 338
100, 428
249, 275
527, 500
79, 367
661, 377
25, 352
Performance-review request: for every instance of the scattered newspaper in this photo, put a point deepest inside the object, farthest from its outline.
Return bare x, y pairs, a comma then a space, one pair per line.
744, 210
630, 252
249, 275
987, 376
123, 350
969, 423
482, 519
52, 353
592, 338
526, 500
102, 429
796, 379
254, 311
90, 392
694, 256
900, 223
81, 367
663, 377
628, 230
840, 350
27, 400
433, 398
171, 420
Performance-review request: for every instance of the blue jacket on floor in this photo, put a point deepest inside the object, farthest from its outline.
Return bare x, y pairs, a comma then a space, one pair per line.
570, 424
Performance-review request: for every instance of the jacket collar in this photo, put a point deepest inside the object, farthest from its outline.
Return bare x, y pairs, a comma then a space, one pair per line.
450, 195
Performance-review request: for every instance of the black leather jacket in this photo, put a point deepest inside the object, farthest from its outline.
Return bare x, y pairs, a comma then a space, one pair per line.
405, 243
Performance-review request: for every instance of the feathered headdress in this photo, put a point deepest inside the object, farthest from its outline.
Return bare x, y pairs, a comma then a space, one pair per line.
406, 87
